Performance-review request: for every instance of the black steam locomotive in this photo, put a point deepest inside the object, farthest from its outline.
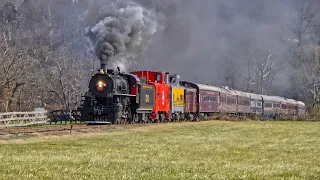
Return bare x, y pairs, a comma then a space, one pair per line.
116, 98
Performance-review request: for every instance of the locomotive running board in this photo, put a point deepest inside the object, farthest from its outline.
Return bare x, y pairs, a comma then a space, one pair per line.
130, 95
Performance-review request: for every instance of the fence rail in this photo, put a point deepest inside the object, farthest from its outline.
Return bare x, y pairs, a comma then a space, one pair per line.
19, 119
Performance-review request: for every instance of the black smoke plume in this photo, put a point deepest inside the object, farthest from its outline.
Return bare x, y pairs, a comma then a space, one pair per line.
123, 31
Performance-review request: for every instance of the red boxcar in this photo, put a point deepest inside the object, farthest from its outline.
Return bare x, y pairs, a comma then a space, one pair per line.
161, 108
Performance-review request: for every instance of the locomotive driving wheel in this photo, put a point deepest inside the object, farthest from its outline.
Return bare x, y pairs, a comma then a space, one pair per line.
135, 119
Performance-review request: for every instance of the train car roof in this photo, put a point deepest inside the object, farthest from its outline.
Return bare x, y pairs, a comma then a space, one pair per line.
255, 96
134, 76
291, 101
282, 99
243, 94
271, 98
147, 71
228, 91
208, 87
300, 103
190, 89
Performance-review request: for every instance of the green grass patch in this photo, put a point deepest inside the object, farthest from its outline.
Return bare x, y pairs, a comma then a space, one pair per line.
205, 150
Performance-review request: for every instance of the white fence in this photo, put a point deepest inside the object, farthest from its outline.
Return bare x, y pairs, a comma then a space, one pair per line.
19, 119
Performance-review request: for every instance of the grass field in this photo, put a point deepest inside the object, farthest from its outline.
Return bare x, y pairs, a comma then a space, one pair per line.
205, 150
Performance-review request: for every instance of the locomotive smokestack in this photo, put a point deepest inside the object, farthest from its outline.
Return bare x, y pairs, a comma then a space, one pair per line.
104, 67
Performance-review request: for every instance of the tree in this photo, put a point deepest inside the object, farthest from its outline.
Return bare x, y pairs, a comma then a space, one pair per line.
305, 73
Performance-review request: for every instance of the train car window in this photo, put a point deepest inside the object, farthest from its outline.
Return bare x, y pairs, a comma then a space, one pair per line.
283, 106
157, 77
268, 105
172, 79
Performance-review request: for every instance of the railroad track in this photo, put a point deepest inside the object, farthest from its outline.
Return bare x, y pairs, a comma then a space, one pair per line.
62, 128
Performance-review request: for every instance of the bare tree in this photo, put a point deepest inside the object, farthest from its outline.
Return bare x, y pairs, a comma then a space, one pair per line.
305, 72
41, 55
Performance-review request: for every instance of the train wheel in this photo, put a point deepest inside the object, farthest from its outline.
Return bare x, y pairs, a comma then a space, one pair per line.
162, 118
135, 119
150, 120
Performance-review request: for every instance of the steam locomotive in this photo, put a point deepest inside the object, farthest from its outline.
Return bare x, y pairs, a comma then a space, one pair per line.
116, 98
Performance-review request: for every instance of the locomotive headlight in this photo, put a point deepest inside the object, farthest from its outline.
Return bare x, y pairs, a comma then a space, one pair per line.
100, 84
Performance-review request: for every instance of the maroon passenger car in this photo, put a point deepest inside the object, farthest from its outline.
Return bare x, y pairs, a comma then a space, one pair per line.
228, 101
207, 98
190, 105
243, 103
